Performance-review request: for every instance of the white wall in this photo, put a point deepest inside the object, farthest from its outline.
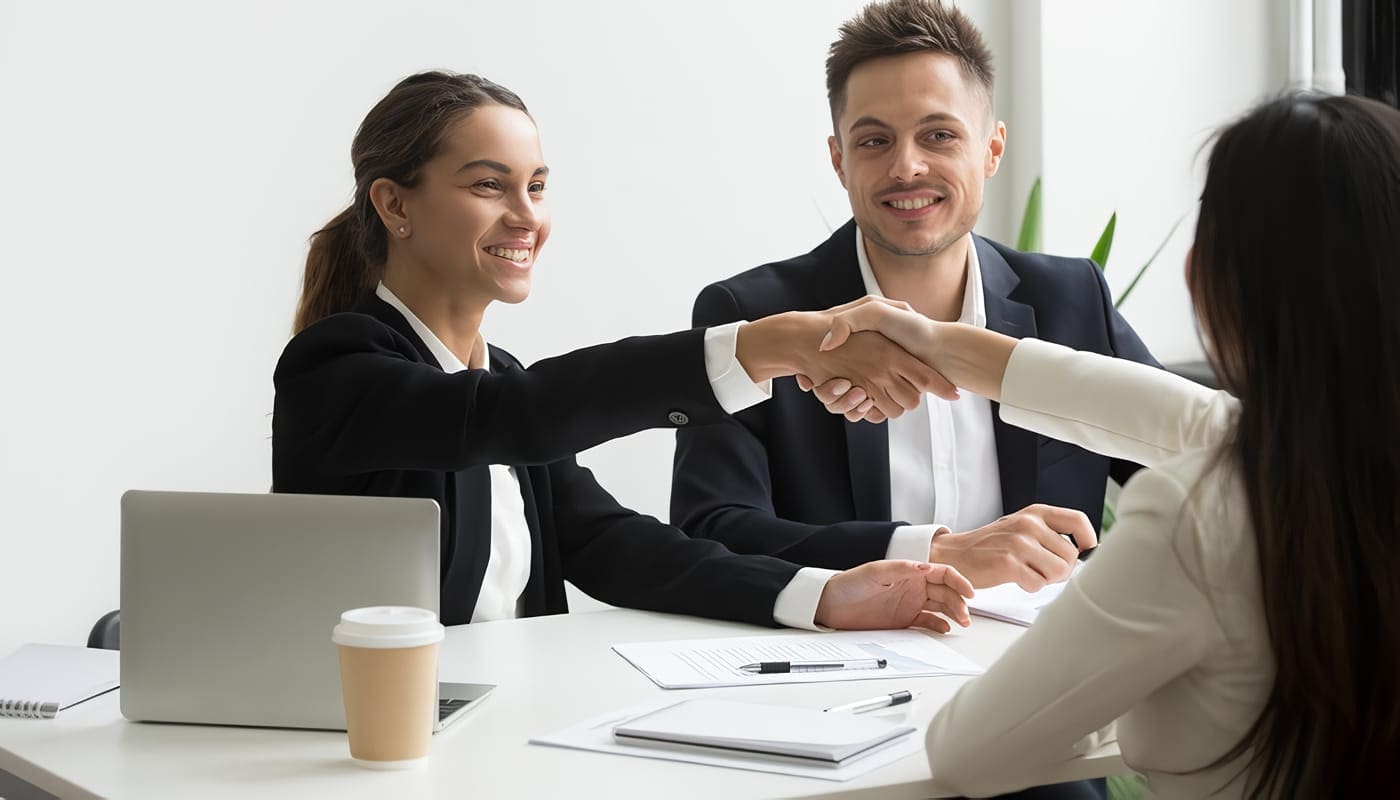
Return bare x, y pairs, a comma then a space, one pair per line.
1130, 93
162, 164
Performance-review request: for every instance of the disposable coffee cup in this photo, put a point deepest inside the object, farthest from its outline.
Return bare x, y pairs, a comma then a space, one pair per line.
389, 679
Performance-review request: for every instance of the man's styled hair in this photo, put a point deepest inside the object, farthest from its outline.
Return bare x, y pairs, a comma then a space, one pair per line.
894, 27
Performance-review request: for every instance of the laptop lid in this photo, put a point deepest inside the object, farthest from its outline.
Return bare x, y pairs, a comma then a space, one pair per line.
228, 600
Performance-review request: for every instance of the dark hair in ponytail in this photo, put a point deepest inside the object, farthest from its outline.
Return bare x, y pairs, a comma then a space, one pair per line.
399, 135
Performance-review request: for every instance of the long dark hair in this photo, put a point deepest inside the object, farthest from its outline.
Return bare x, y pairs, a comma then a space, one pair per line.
398, 136
1295, 276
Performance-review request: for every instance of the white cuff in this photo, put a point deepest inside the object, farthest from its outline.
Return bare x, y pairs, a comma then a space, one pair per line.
913, 542
797, 602
733, 387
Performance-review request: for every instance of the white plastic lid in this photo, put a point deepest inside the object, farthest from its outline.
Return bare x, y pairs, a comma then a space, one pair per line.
388, 627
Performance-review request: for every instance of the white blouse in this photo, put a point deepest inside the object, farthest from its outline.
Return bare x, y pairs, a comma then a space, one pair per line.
1163, 631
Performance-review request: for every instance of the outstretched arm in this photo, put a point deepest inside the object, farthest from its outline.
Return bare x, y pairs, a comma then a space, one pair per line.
1111, 406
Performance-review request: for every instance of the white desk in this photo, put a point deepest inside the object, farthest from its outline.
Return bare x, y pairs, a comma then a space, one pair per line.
551, 671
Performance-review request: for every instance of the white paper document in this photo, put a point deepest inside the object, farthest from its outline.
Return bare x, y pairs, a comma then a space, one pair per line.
766, 730
1010, 603
703, 663
596, 734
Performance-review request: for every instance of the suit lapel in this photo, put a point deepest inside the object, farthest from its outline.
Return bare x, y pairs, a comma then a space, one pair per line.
868, 456
1017, 448
467, 494
837, 280
536, 596
387, 314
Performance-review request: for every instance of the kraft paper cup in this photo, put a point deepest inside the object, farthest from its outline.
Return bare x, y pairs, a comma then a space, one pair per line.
389, 680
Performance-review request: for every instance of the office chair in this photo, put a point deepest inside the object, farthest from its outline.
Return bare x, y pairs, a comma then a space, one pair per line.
106, 634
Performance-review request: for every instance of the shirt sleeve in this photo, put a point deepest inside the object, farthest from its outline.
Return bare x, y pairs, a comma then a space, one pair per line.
1132, 620
912, 542
796, 606
734, 389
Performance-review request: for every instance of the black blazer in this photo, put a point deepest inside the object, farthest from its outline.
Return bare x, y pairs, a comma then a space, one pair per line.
789, 479
363, 408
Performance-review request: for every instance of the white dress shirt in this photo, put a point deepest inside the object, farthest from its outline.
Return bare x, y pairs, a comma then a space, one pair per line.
1163, 630
943, 455
508, 568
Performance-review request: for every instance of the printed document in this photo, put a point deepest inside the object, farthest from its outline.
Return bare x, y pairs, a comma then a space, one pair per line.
703, 663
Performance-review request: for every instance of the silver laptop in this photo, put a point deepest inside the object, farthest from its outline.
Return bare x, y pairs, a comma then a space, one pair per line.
228, 601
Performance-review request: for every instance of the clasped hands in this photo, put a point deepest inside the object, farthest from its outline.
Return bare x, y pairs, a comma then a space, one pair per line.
876, 358
875, 361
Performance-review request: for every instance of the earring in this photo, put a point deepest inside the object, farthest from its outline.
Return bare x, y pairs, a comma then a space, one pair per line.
401, 230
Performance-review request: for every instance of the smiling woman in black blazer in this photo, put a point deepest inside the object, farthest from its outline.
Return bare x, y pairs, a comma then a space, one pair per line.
389, 389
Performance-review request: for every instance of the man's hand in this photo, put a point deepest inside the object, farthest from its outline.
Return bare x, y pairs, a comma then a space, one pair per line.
883, 595
842, 398
1025, 548
884, 376
896, 322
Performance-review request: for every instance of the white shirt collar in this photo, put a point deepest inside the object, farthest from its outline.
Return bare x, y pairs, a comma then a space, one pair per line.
974, 307
446, 358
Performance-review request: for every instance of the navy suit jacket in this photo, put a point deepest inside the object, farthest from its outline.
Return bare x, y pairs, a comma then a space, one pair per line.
362, 407
787, 478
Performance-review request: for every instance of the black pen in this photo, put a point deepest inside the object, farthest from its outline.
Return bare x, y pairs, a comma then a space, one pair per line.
771, 667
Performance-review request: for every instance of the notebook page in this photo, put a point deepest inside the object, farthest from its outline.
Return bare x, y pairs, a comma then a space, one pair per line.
56, 676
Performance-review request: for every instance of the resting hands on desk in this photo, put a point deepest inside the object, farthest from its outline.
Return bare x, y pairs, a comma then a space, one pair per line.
882, 595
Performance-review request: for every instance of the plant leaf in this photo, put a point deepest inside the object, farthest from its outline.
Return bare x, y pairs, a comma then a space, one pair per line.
1029, 239
1125, 787
1100, 254
1124, 296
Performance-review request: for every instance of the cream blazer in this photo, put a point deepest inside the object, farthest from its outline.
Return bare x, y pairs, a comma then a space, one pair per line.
1163, 630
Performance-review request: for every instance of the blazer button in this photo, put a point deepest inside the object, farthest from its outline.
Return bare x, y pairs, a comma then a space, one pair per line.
678, 418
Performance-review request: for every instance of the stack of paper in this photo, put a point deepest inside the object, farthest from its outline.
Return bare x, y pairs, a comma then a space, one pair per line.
808, 734
597, 735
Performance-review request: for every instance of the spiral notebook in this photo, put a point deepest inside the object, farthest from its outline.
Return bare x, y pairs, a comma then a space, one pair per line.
39, 680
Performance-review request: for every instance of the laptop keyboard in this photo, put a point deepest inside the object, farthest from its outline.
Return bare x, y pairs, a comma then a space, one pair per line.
447, 707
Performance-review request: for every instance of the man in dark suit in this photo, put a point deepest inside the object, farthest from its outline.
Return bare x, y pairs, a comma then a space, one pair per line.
910, 86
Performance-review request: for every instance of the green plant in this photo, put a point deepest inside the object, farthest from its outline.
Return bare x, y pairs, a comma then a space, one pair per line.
1030, 237
1029, 241
1125, 787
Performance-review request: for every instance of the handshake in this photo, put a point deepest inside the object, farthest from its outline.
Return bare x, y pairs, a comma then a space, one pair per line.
874, 359
871, 359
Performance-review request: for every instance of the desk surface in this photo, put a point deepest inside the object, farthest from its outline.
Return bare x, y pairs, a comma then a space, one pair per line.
551, 671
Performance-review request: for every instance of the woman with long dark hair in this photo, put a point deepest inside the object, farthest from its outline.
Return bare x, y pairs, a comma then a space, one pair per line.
388, 388
1242, 620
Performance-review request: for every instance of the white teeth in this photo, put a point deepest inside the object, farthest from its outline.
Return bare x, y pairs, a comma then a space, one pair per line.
508, 253
910, 205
